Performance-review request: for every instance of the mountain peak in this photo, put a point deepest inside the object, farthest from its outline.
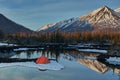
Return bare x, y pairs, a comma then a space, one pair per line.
105, 7
103, 18
100, 14
102, 11
104, 15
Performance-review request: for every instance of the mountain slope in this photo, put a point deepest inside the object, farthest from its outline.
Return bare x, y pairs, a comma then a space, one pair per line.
103, 18
11, 27
70, 25
118, 11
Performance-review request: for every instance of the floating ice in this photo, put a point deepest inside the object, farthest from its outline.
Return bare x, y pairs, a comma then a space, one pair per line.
114, 60
53, 65
21, 49
93, 50
6, 44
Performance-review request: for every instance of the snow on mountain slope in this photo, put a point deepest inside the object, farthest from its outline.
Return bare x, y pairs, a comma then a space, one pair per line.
102, 18
100, 14
118, 11
46, 26
59, 25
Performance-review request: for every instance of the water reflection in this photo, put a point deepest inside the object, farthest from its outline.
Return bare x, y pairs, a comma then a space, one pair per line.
80, 58
114, 52
94, 65
51, 54
6, 54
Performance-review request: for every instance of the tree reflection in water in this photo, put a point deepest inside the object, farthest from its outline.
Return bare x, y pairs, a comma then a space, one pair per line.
52, 54
6, 54
87, 59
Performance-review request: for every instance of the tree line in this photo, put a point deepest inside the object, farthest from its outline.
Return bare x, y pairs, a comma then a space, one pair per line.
61, 37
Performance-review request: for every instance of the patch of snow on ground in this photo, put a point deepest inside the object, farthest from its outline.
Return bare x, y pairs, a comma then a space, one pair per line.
53, 65
6, 44
21, 49
93, 50
25, 49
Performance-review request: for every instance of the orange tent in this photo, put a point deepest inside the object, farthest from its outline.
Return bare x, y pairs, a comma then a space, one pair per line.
42, 60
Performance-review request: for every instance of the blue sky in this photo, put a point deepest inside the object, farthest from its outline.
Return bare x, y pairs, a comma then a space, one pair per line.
35, 13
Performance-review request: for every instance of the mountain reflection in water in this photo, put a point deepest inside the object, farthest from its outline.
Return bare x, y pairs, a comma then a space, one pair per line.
79, 57
94, 65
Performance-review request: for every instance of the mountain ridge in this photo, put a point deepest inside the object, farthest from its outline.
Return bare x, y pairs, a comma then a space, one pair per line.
103, 18
11, 27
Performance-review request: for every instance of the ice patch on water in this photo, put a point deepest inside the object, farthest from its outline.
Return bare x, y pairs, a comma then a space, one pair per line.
93, 50
114, 60
53, 65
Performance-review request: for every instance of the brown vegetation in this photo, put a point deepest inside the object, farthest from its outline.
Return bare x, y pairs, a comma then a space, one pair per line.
64, 37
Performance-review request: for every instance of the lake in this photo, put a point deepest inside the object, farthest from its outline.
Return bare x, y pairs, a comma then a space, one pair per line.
77, 66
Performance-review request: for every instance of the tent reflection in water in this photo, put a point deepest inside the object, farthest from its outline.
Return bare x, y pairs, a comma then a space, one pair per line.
42, 60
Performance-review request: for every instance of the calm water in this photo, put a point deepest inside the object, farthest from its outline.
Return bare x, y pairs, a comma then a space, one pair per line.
78, 66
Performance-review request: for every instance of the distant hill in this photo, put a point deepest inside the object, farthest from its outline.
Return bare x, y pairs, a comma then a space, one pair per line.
103, 18
8, 26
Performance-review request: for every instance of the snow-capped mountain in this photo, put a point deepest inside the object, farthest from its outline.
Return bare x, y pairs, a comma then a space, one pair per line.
118, 11
8, 26
70, 25
102, 18
65, 25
